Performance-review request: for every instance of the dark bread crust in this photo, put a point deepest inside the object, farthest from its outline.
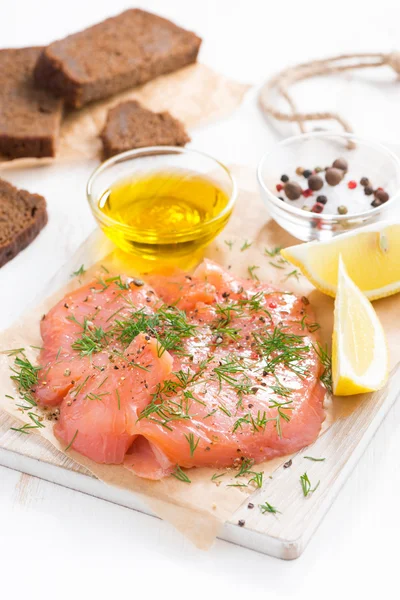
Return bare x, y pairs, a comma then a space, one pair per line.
29, 117
119, 53
22, 217
129, 125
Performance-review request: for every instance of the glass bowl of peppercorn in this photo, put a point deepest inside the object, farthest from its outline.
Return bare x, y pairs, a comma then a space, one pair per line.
318, 185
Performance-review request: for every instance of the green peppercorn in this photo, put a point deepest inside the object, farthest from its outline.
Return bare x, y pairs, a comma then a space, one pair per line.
342, 210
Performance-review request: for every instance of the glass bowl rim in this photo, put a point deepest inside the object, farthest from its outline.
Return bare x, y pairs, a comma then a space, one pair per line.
185, 235
285, 207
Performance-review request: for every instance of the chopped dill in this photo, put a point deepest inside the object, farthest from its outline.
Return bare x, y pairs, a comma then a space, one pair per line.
251, 270
81, 271
257, 479
192, 443
306, 485
273, 252
217, 476
268, 508
314, 459
181, 475
245, 246
295, 273
72, 441
326, 362
229, 243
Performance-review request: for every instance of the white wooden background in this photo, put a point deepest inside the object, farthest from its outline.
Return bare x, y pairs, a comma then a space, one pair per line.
59, 543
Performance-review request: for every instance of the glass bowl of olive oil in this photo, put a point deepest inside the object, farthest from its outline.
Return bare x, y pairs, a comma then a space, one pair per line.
162, 202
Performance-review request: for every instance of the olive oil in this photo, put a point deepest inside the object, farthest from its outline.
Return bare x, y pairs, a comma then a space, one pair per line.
165, 213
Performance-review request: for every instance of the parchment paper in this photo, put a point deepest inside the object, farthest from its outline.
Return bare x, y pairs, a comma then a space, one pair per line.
193, 95
200, 508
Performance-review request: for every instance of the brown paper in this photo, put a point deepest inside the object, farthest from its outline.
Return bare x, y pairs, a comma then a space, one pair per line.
200, 508
193, 95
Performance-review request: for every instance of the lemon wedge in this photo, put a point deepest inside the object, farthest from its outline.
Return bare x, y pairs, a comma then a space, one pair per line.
360, 360
371, 255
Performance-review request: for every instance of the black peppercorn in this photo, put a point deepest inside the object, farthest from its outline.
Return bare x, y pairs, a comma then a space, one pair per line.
250, 505
284, 178
280, 198
241, 522
364, 181
375, 203
368, 190
307, 173
322, 199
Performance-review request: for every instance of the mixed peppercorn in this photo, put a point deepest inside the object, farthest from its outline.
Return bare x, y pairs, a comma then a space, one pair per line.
334, 175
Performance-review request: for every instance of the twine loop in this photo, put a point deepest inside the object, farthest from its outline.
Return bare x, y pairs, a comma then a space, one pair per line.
282, 81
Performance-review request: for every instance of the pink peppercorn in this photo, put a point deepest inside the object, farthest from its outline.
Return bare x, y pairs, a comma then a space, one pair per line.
317, 208
352, 184
307, 193
272, 305
279, 187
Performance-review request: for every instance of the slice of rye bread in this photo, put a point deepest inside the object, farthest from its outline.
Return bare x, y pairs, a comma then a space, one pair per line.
121, 52
129, 125
22, 216
29, 117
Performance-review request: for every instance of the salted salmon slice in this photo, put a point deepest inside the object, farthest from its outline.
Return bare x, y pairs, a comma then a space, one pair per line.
211, 370
85, 315
98, 416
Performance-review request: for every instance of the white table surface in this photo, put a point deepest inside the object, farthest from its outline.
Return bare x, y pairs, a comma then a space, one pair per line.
55, 542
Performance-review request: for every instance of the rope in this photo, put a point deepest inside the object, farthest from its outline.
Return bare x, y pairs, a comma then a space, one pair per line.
335, 64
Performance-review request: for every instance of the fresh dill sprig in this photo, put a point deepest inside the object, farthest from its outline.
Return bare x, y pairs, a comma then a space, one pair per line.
281, 348
91, 341
229, 243
192, 443
268, 508
181, 475
306, 485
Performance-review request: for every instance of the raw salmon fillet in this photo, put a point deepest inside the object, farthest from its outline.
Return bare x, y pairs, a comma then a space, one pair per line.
182, 371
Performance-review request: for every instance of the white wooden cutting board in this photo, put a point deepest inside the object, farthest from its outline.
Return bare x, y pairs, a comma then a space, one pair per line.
284, 535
